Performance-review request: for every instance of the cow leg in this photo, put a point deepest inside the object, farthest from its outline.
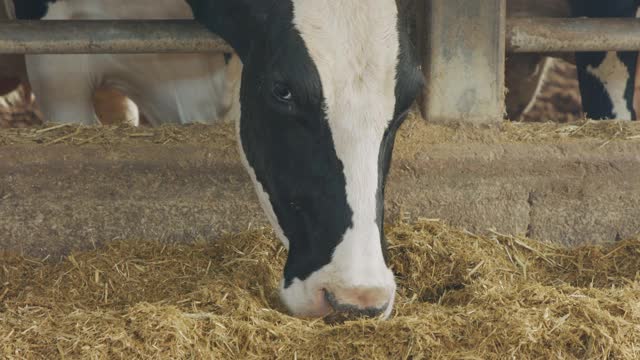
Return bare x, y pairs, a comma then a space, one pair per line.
607, 79
63, 88
524, 78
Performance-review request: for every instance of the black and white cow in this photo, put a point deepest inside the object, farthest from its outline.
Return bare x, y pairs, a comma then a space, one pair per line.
607, 79
325, 86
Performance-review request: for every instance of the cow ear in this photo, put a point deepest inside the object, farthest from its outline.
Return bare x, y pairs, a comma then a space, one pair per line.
236, 21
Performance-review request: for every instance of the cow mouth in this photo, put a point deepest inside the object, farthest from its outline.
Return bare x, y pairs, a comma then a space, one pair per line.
341, 312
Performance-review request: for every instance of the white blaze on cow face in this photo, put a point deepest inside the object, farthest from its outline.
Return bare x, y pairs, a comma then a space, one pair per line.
355, 46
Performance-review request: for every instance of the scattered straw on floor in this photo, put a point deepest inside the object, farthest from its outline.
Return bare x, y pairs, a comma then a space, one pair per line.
460, 296
414, 133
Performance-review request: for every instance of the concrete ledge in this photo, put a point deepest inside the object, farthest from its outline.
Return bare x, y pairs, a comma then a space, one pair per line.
552, 183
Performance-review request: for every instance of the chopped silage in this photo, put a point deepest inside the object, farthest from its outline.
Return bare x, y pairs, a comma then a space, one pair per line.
460, 296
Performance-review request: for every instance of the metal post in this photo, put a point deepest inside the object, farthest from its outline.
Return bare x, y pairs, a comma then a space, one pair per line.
421, 44
464, 61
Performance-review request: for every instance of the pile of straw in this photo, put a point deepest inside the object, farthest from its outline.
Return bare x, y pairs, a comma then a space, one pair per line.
460, 296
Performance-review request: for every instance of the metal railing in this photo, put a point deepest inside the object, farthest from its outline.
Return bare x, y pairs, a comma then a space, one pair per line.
107, 36
542, 35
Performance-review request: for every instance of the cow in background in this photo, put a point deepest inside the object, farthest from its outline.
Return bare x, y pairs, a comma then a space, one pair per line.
16, 95
607, 79
166, 88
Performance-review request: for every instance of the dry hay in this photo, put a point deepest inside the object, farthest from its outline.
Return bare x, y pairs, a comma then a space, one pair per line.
460, 296
414, 133
78, 135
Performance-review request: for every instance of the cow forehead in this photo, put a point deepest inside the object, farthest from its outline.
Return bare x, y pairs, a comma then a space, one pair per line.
354, 45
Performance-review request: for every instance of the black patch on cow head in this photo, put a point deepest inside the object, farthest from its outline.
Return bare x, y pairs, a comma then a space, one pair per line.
31, 9
239, 22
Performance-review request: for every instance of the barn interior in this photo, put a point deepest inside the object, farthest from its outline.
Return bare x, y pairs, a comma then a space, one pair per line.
518, 240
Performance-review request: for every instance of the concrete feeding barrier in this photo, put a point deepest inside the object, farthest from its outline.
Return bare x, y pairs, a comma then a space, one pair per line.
75, 188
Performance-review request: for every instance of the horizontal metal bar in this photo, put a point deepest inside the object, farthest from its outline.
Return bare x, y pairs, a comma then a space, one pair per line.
107, 36
542, 35
549, 35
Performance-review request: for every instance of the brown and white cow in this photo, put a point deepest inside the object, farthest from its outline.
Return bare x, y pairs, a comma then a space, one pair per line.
166, 88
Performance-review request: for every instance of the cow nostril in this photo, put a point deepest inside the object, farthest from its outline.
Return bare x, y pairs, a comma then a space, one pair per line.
344, 311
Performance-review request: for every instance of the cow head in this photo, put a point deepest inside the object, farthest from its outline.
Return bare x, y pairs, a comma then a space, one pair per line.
325, 85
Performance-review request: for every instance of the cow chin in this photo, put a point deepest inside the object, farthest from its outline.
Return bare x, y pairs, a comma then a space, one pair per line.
310, 298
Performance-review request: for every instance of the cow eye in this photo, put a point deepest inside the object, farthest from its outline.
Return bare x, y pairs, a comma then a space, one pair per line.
282, 93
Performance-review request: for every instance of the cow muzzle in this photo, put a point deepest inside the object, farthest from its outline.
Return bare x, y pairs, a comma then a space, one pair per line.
344, 298
359, 302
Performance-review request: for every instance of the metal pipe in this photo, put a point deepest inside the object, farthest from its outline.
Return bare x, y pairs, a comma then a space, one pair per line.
541, 35
107, 36
558, 35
